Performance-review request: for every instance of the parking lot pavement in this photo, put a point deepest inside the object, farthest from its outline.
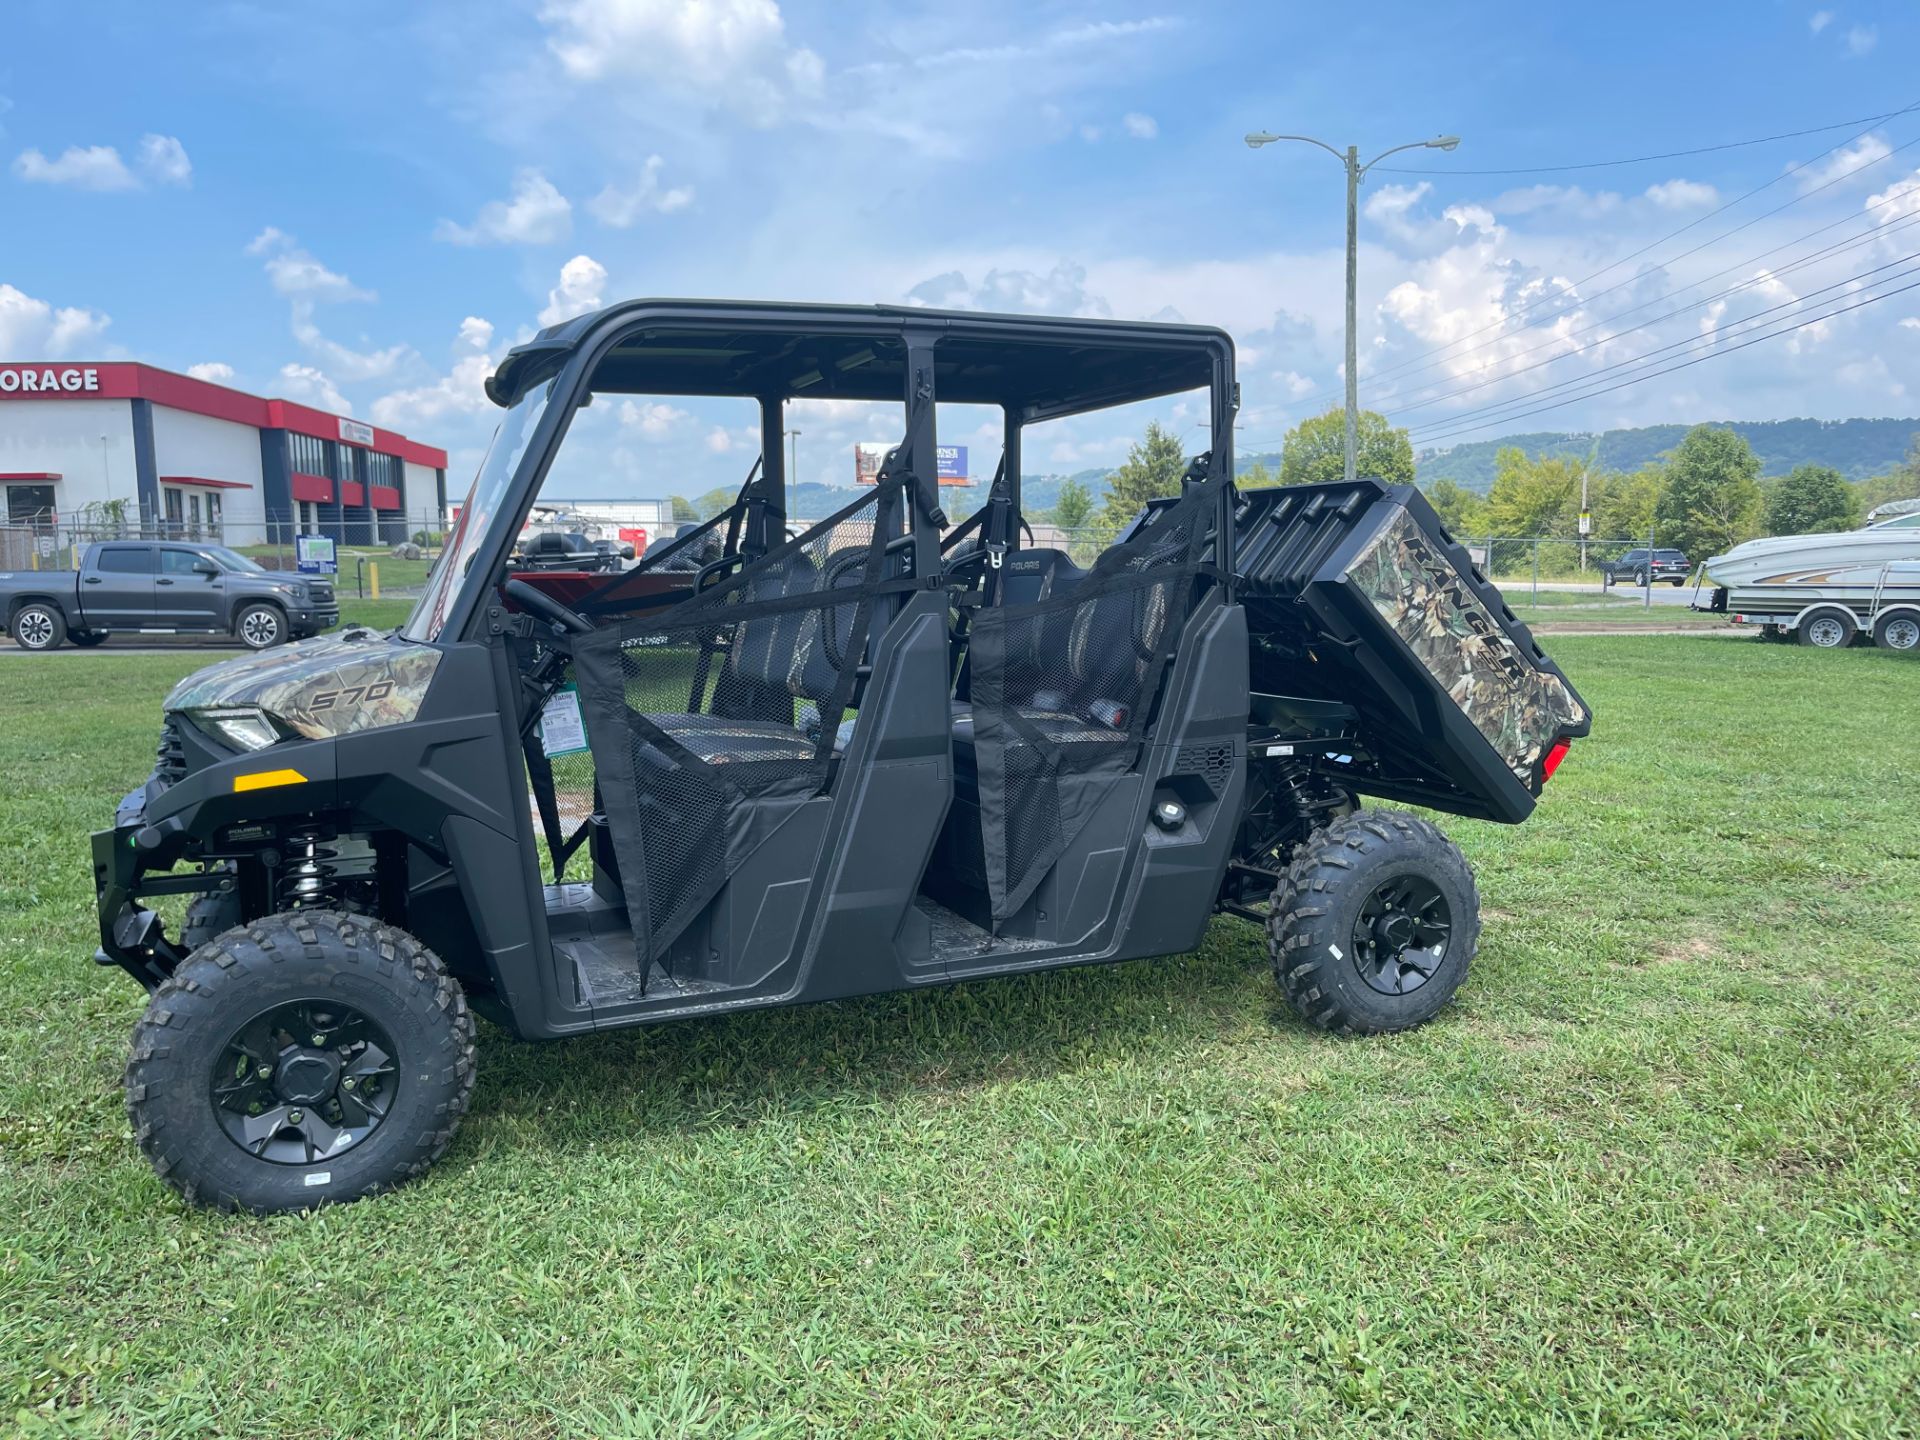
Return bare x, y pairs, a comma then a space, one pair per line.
1517, 592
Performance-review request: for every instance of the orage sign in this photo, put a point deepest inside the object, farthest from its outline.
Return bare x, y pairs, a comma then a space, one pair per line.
48, 380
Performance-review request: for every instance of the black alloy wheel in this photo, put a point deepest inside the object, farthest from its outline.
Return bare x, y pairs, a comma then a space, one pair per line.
1400, 935
304, 1081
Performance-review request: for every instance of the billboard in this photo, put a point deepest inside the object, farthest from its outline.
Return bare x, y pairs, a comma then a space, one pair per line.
868, 457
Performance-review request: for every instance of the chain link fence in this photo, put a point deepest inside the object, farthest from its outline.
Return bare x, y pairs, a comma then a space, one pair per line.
399, 547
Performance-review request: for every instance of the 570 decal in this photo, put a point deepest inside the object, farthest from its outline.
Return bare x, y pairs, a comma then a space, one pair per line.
351, 695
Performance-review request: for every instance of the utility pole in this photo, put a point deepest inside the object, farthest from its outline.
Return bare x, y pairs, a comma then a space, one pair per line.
1356, 172
793, 457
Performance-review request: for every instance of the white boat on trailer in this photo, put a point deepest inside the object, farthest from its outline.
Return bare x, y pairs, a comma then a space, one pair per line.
1824, 590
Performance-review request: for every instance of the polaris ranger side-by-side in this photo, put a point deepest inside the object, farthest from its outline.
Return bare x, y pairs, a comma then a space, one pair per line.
862, 757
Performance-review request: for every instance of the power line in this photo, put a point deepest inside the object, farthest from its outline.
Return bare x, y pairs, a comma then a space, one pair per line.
1425, 397
1574, 286
1647, 159
1697, 360
1639, 361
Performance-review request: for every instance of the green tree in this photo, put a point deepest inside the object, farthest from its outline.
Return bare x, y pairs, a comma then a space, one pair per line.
706, 506
1152, 469
1712, 500
1460, 510
1813, 500
1623, 505
1255, 477
1534, 494
1073, 506
682, 508
1315, 450
1894, 485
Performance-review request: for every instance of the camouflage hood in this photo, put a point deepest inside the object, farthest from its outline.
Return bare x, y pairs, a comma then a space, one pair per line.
359, 679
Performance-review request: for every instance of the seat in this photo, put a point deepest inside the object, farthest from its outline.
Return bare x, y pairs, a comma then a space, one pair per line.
774, 661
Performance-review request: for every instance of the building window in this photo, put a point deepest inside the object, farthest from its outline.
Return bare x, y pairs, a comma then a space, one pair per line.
383, 470
308, 454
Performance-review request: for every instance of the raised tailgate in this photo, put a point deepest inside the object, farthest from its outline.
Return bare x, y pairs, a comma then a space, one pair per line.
1356, 593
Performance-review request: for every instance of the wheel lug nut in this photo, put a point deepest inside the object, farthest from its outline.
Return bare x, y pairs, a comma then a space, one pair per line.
347, 1084
294, 1116
319, 1040
265, 1072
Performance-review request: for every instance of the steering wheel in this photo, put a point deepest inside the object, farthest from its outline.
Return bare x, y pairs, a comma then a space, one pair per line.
538, 602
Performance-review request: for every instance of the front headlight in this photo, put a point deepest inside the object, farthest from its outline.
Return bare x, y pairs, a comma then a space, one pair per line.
245, 727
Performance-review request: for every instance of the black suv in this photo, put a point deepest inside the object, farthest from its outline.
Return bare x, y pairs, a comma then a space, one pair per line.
1669, 565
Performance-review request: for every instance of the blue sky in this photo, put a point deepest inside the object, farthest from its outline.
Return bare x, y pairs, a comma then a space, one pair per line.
364, 204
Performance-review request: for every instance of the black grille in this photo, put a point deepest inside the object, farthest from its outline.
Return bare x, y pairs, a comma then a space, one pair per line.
1212, 763
170, 760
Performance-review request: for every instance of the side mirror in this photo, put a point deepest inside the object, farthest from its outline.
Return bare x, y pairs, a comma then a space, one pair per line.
206, 567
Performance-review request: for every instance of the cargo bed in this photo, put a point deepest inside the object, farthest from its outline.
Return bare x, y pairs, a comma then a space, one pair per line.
1357, 597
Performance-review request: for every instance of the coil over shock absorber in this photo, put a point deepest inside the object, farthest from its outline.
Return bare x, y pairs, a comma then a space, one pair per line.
309, 879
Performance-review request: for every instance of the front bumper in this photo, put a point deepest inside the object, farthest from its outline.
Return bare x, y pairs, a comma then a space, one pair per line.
312, 619
124, 861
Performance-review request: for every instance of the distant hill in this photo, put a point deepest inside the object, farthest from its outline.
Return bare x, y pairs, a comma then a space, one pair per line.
1858, 449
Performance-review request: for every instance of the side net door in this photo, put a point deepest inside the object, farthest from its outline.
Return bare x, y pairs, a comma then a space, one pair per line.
1063, 689
711, 722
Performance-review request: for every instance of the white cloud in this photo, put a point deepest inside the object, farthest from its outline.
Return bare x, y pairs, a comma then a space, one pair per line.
294, 273
1900, 199
1910, 322
1091, 134
1061, 291
165, 159
534, 214
1844, 161
216, 371
1862, 38
1140, 127
32, 329
654, 419
581, 280
1683, 194
730, 54
1568, 200
352, 366
1819, 20
91, 167
311, 386
460, 392
622, 207
719, 441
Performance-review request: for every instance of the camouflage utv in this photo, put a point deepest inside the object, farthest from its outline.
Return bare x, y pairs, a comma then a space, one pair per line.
781, 760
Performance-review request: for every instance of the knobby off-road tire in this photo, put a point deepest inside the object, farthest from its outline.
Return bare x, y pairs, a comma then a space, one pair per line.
1398, 882
209, 917
371, 1003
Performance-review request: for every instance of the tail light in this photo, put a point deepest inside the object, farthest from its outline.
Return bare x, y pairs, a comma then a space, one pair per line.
1552, 761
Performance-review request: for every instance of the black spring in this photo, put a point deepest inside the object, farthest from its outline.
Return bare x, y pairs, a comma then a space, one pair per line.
310, 878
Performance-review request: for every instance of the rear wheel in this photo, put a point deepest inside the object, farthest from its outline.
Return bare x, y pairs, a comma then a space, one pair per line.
1375, 924
38, 626
1640, 578
306, 1058
1827, 630
1897, 632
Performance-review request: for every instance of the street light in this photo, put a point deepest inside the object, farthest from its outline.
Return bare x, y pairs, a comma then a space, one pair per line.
793, 456
1350, 157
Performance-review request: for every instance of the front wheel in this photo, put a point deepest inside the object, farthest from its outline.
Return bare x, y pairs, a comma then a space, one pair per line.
308, 1057
38, 626
1375, 923
260, 627
1827, 630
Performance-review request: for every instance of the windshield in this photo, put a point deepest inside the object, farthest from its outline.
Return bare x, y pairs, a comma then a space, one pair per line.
476, 514
232, 559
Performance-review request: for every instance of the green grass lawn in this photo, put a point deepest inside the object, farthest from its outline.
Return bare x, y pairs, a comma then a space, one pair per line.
1654, 1173
1546, 618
